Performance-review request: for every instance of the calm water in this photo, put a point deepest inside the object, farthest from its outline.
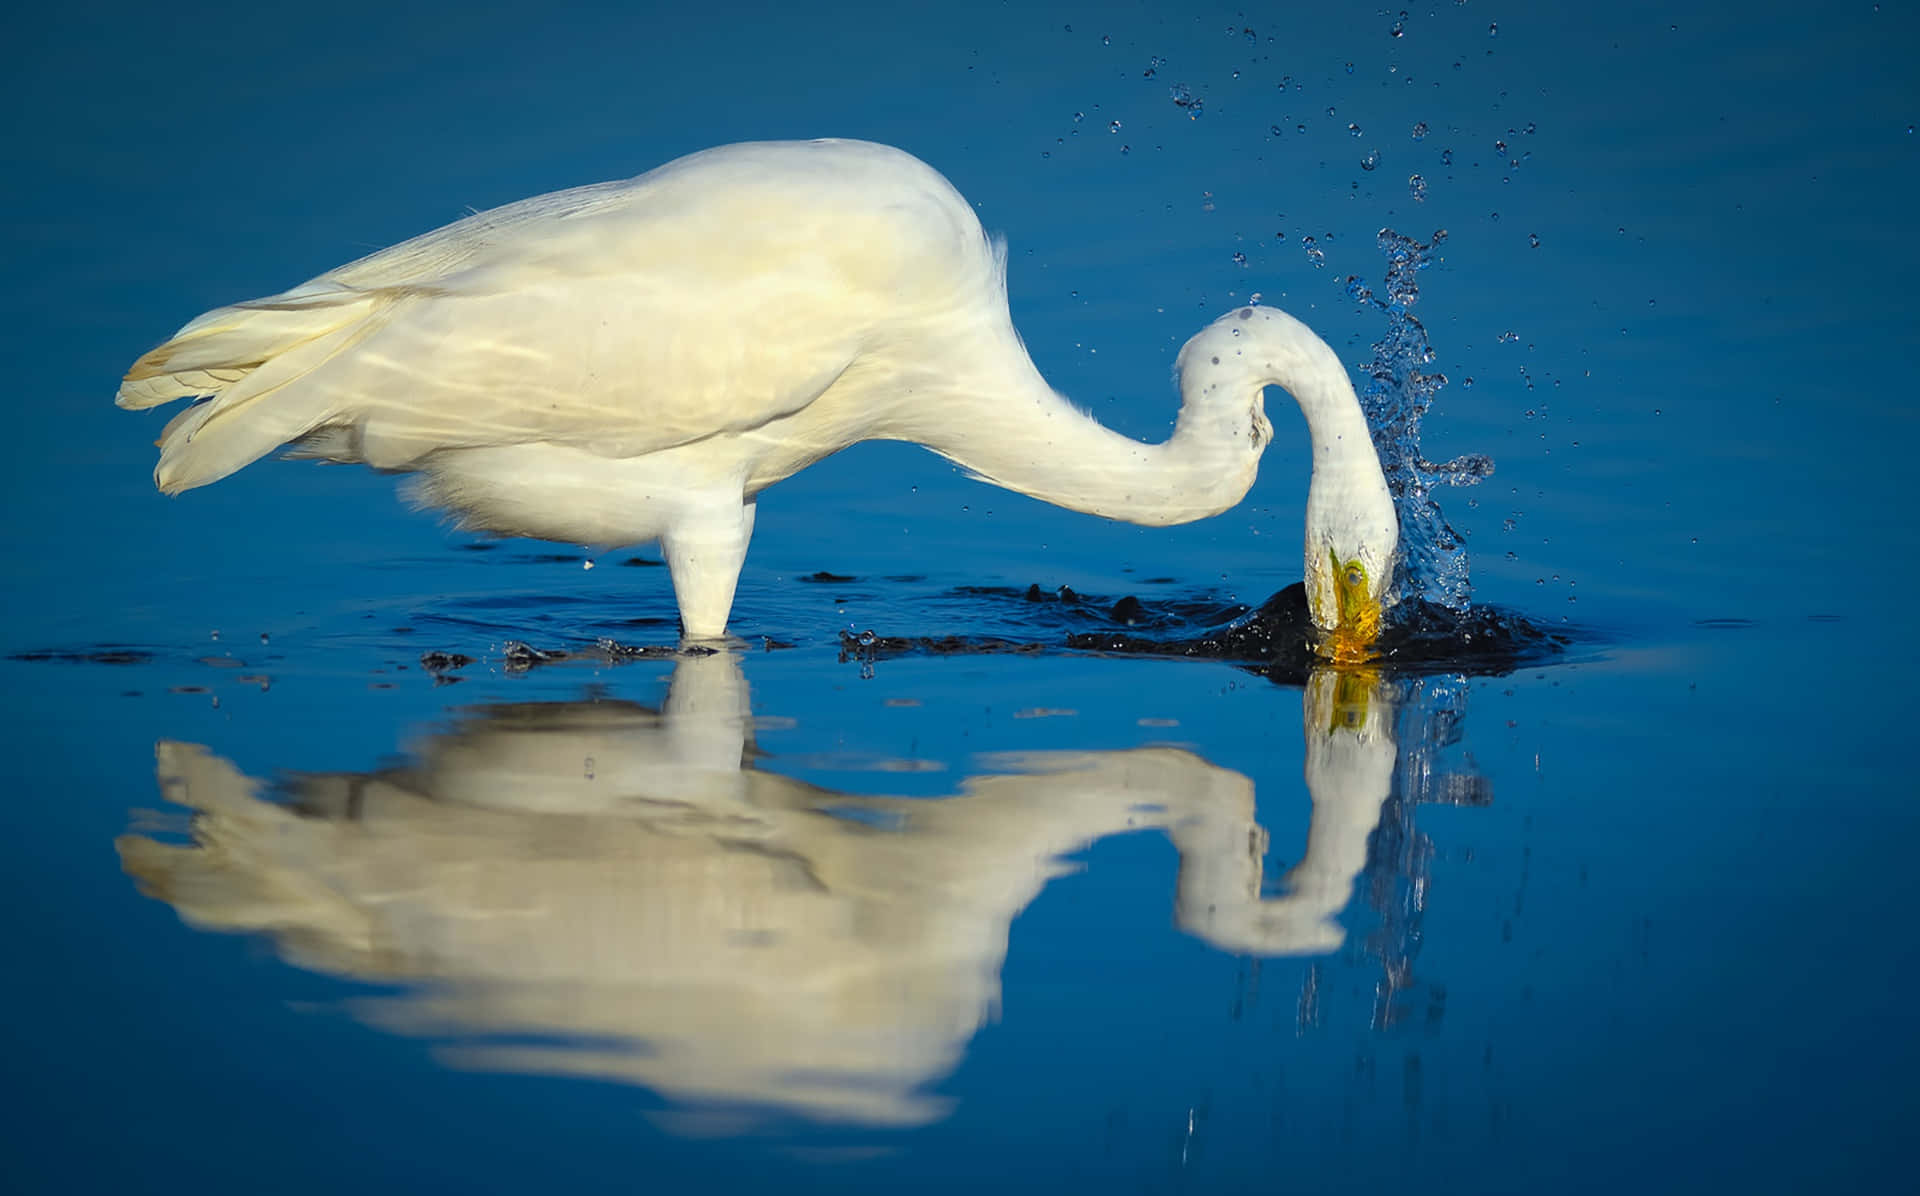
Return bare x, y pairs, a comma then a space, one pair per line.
292, 910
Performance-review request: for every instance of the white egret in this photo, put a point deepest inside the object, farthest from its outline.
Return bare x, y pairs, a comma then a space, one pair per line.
638, 360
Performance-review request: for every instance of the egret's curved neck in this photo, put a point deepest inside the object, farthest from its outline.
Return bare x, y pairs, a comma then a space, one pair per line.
1257, 347
1000, 420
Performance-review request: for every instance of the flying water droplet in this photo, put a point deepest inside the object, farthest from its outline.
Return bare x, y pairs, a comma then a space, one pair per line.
1353, 130
1371, 160
1420, 131
1113, 126
1183, 97
1315, 254
1239, 259
1446, 157
1533, 240
1417, 187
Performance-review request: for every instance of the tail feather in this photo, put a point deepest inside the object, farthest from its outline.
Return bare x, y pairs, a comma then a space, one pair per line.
245, 358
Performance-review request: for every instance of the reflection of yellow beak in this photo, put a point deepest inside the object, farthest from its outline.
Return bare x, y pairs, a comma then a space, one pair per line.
1351, 640
1346, 706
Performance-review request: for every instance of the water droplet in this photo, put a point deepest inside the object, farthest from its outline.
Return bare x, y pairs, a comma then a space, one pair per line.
1533, 240
868, 639
1239, 259
1420, 131
1500, 148
1250, 35
1398, 29
1315, 254
1349, 68
1353, 130
1113, 126
1446, 157
586, 768
1275, 130
1466, 383
1493, 29
1183, 97
1106, 40
1126, 149
1371, 160
1509, 336
1301, 127
1078, 117
1417, 187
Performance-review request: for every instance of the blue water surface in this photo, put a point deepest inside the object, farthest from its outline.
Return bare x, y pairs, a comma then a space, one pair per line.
298, 906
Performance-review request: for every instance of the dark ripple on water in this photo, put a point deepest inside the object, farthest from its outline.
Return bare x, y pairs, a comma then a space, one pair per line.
1275, 640
519, 632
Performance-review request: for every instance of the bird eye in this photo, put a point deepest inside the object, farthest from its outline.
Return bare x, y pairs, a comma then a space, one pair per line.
1356, 578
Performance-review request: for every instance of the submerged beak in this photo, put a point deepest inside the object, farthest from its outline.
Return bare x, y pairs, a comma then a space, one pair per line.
1351, 640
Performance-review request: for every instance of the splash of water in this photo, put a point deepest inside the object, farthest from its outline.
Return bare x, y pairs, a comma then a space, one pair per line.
1399, 391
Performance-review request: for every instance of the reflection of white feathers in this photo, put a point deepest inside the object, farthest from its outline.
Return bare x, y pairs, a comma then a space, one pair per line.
1349, 772
612, 889
638, 360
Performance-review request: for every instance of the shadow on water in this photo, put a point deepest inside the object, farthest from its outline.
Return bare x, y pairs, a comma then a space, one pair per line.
604, 890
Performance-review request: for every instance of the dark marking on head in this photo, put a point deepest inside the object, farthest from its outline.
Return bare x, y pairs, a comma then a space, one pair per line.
1216, 361
1246, 313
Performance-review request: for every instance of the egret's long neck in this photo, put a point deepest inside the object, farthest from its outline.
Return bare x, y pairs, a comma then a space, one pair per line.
1000, 420
1272, 348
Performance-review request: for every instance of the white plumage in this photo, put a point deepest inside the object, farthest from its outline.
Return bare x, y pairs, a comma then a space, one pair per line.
638, 360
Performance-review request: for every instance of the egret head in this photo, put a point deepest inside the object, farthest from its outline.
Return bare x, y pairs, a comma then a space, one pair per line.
1347, 597
1353, 536
1352, 531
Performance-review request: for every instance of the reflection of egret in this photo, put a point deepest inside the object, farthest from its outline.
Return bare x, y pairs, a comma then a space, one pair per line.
638, 360
591, 888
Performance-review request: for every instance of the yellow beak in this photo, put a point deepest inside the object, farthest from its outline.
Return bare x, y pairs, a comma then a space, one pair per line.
1351, 640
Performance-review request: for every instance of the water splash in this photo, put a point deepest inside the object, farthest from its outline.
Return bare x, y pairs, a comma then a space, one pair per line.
1398, 393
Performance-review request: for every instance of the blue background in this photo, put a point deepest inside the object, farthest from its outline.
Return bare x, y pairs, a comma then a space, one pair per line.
1700, 423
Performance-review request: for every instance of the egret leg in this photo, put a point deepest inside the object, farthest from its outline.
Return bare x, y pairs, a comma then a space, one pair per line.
704, 551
